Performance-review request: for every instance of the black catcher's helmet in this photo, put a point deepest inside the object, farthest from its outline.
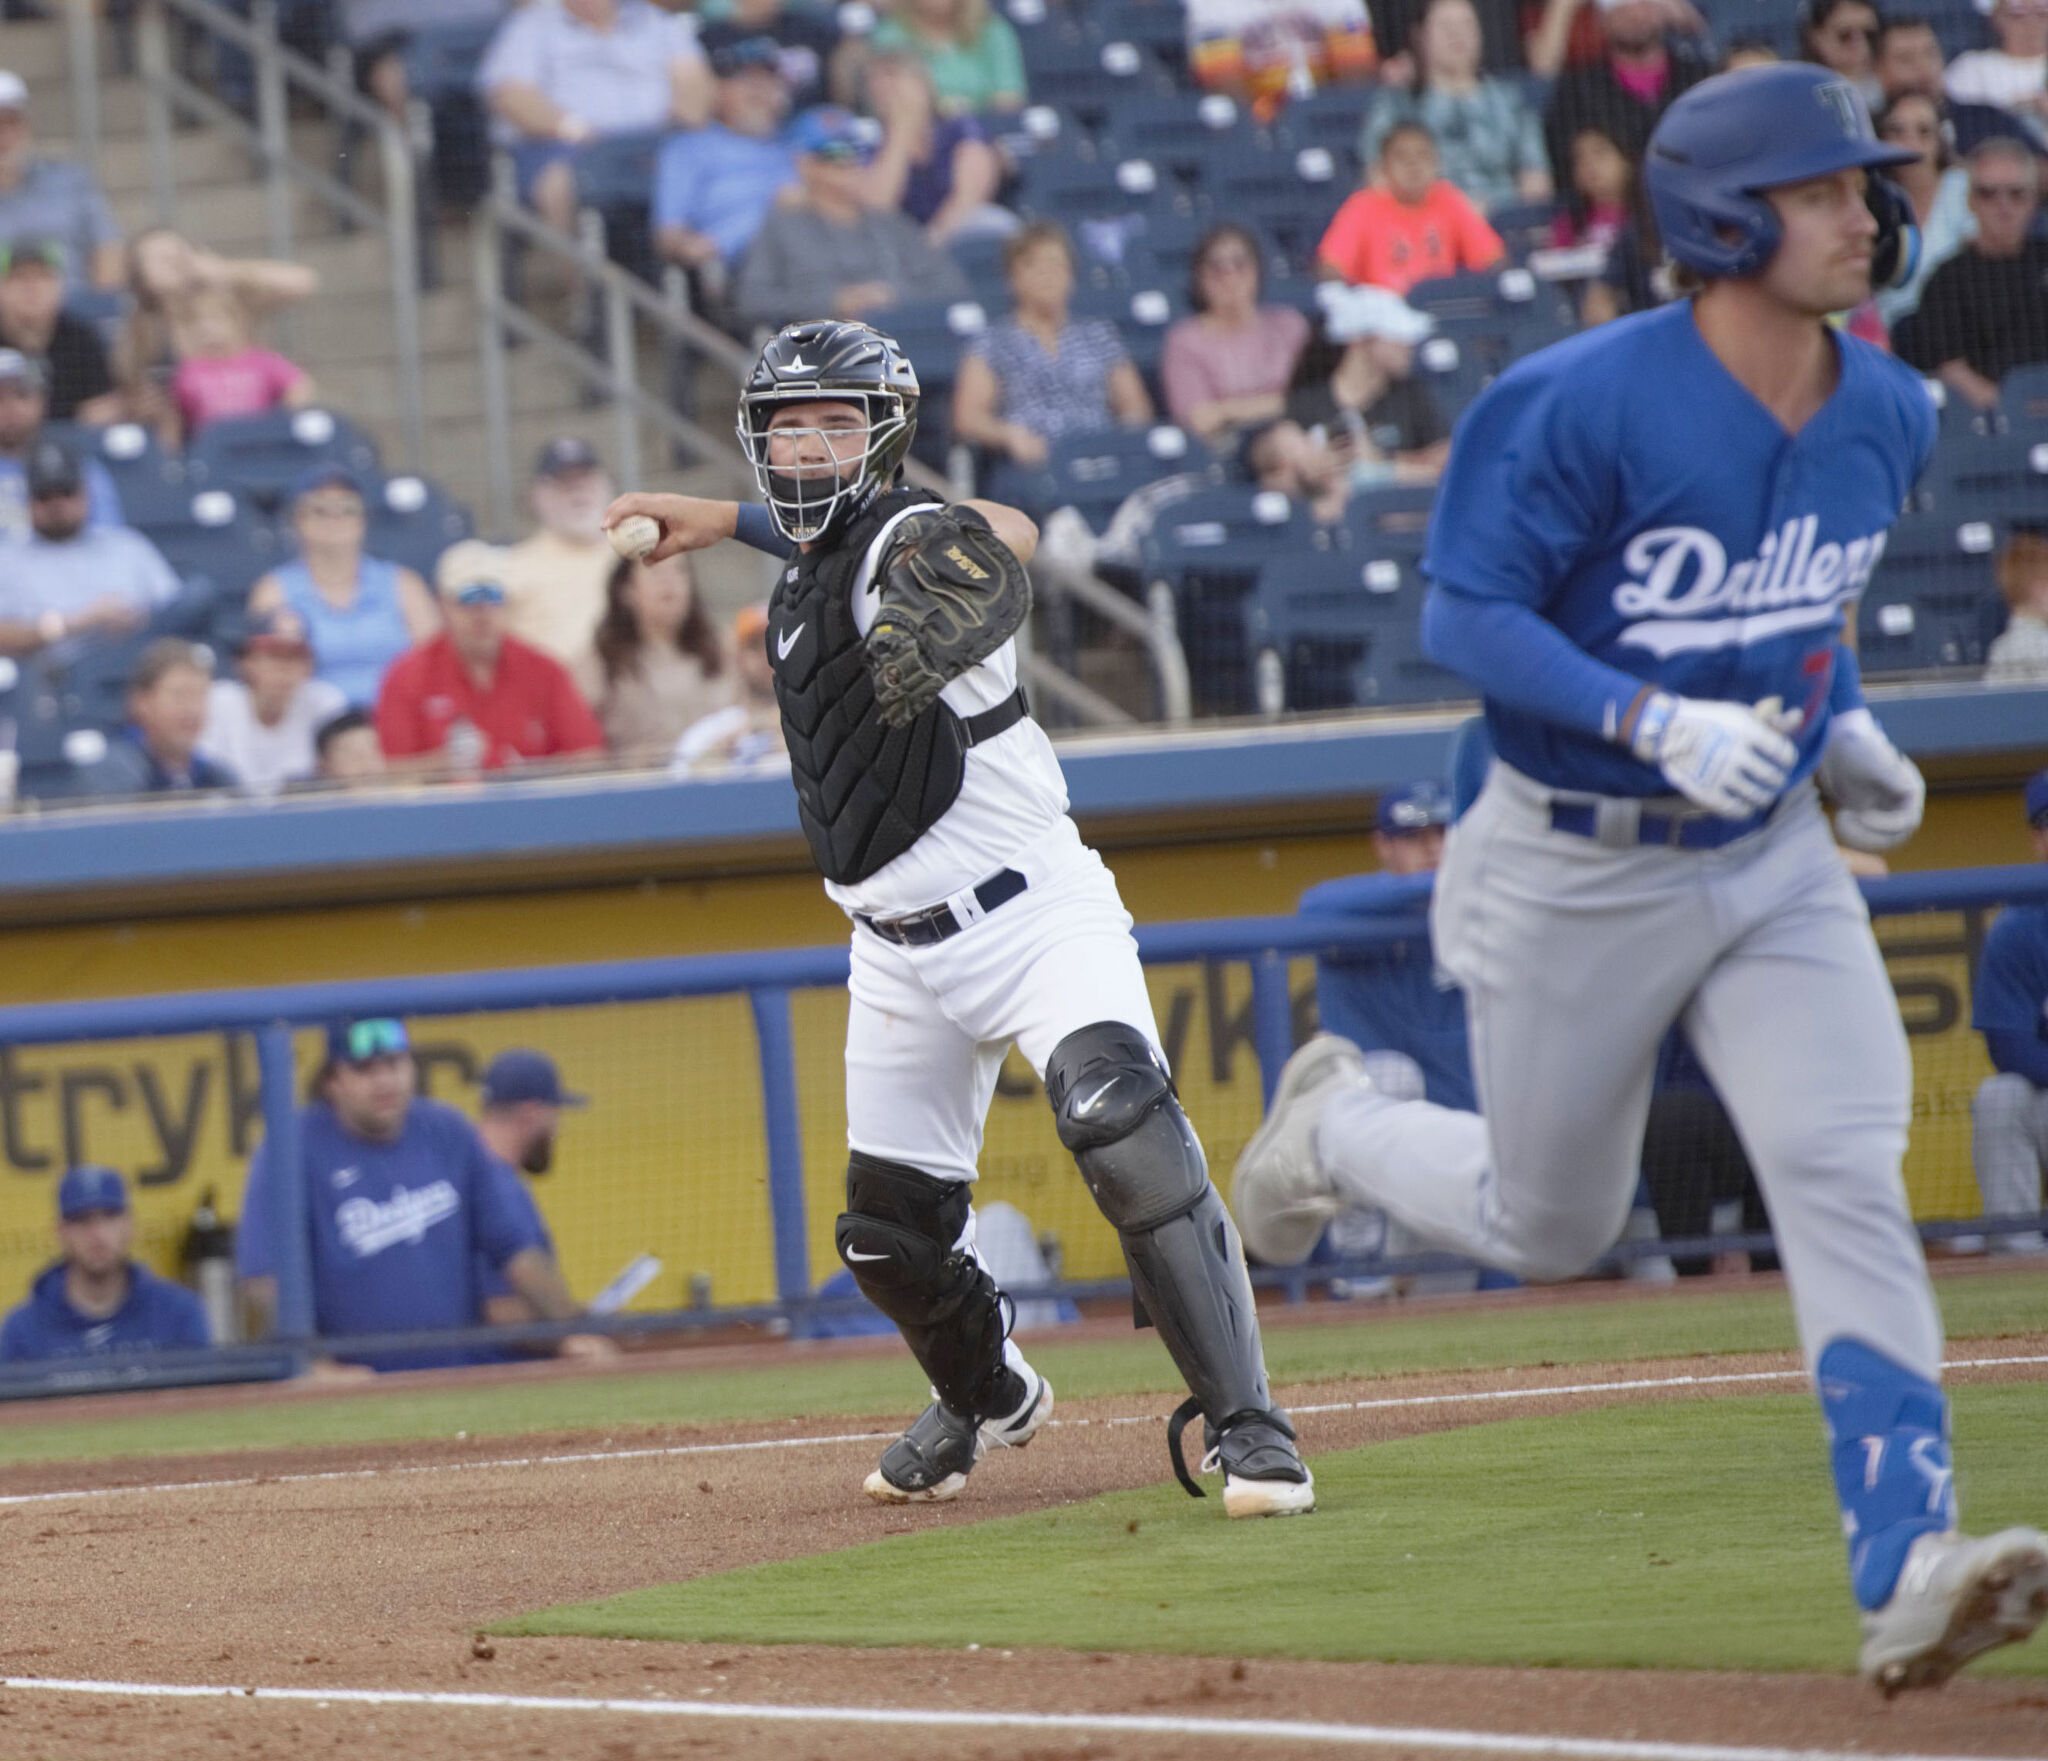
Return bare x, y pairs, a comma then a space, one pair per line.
838, 361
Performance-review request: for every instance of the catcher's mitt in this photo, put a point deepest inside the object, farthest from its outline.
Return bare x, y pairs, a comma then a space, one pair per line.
951, 594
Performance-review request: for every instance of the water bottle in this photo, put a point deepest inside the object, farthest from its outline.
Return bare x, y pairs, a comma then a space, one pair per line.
464, 747
208, 1256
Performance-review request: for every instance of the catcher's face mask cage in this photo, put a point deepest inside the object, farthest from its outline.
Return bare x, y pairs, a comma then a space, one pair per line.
811, 476
811, 486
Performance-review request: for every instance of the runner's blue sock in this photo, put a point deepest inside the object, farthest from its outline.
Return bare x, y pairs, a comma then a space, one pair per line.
1888, 1446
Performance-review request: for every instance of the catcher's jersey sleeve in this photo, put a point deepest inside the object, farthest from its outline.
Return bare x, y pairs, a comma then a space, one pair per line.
1013, 794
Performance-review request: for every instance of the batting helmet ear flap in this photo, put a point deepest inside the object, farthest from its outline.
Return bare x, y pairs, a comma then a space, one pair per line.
1896, 255
1711, 229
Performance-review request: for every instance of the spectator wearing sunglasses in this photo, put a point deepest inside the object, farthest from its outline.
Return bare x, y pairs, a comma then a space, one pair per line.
2014, 76
402, 1203
1841, 35
824, 250
1985, 311
358, 611
476, 698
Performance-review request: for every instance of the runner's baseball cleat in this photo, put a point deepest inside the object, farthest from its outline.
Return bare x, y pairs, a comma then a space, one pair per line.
1295, 1196
930, 1462
1957, 1597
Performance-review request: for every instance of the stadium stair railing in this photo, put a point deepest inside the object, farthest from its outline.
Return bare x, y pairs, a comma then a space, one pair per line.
768, 980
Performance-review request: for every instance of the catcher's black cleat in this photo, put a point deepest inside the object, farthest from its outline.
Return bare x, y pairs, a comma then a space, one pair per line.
930, 1462
1263, 1473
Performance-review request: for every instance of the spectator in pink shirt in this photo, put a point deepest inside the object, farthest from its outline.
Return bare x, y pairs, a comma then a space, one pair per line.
1228, 367
224, 374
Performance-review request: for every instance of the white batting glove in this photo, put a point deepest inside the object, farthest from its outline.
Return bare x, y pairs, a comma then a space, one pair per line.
1724, 757
1878, 792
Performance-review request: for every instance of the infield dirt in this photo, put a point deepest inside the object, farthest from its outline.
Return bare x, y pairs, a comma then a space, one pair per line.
381, 1577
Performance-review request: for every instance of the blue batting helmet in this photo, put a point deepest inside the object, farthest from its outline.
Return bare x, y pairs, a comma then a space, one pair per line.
1733, 136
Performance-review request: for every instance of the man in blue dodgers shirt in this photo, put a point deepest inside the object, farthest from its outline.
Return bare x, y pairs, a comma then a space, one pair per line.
1642, 553
401, 1200
95, 1298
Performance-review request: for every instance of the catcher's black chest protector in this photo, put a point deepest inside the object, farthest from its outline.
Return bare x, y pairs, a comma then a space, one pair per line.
865, 791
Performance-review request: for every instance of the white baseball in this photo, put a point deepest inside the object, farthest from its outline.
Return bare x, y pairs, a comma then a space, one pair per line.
635, 535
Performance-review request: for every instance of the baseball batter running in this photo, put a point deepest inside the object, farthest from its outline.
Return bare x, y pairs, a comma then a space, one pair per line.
935, 808
1642, 553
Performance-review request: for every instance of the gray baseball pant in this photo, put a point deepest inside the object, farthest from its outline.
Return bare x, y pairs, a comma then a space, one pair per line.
2009, 1149
1576, 955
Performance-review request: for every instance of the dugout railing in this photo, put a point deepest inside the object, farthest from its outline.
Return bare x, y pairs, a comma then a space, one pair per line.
1931, 926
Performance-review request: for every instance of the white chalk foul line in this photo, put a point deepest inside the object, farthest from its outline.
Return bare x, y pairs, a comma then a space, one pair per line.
655, 1453
923, 1718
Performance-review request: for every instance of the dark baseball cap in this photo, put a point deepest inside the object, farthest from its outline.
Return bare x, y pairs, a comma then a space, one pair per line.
328, 474
371, 1036
2037, 800
277, 633
522, 1075
564, 454
745, 55
53, 469
17, 368
88, 1189
34, 253
1413, 808
832, 133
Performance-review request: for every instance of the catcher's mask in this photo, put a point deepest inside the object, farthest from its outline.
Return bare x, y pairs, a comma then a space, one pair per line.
837, 362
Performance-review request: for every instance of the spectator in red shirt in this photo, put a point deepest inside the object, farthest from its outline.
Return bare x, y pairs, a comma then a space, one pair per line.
474, 698
1411, 226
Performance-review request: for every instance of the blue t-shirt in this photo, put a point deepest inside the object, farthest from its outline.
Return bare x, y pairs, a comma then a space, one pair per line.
352, 649
721, 183
396, 1227
1394, 998
518, 1196
157, 1313
1625, 486
2011, 995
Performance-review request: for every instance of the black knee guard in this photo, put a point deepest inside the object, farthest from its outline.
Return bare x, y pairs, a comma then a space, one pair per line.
896, 1236
1116, 1111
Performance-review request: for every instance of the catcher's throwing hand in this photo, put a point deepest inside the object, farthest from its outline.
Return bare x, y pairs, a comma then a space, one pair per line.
687, 522
951, 594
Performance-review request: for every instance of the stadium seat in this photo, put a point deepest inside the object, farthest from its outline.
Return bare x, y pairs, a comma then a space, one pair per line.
1074, 190
2001, 475
1208, 552
1338, 628
2023, 397
1333, 117
225, 547
1094, 472
1159, 27
1933, 602
150, 482
261, 457
1294, 191
412, 521
1091, 74
1182, 131
615, 181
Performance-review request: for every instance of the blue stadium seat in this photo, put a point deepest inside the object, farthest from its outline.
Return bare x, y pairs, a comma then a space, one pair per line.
1183, 131
2001, 475
1933, 602
1159, 27
441, 59
2023, 397
1343, 629
1094, 472
260, 457
412, 521
1142, 316
1208, 552
1333, 117
151, 482
1091, 74
1294, 191
226, 554
1071, 190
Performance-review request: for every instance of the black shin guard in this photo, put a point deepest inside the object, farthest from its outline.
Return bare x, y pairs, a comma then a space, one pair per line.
897, 1237
1116, 1111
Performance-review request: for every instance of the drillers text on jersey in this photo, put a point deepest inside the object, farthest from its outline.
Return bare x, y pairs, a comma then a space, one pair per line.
1693, 600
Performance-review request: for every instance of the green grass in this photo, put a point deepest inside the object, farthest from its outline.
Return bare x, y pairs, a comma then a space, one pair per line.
806, 1386
1698, 1534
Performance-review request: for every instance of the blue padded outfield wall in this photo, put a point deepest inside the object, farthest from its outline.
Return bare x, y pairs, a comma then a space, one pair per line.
715, 1138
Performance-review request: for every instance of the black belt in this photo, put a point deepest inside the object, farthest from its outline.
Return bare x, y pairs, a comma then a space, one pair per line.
1673, 831
924, 929
999, 720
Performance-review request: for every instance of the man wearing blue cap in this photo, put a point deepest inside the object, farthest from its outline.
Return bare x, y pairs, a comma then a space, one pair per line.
2009, 1145
402, 1198
95, 1298
523, 1100
827, 251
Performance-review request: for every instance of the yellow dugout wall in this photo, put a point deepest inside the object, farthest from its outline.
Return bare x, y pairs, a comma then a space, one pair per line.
669, 1158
